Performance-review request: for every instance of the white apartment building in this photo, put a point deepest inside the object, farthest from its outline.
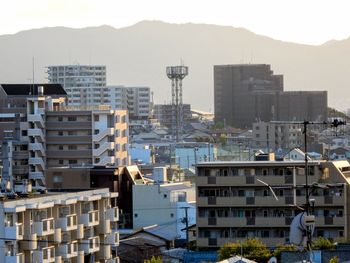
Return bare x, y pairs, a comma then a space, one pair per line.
164, 205
60, 227
84, 84
134, 99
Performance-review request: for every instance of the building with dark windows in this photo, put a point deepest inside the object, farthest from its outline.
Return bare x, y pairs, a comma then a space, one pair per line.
247, 93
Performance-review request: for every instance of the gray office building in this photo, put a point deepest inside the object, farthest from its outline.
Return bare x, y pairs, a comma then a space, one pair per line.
246, 93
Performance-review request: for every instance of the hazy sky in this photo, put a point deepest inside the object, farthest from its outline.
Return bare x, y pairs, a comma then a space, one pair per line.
301, 21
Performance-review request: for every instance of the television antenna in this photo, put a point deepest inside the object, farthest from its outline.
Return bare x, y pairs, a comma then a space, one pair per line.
305, 223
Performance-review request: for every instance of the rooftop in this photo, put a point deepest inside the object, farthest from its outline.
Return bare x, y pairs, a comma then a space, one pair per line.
27, 89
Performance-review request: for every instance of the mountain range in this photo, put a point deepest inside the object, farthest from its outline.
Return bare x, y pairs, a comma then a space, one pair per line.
139, 54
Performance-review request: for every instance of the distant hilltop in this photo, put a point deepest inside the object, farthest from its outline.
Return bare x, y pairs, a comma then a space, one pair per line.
139, 54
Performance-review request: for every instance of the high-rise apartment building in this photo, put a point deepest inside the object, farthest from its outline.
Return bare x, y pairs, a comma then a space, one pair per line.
134, 99
232, 204
39, 131
84, 84
60, 227
247, 93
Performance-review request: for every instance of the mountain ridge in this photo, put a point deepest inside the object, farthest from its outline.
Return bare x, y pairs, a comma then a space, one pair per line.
138, 55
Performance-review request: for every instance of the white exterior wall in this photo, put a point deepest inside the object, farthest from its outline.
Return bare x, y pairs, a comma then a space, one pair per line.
22, 229
153, 204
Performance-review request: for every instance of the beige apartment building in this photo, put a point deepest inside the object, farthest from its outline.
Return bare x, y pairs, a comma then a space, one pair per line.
95, 137
233, 205
39, 131
58, 227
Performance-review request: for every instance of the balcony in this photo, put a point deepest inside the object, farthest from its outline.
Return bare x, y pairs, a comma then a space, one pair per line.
112, 214
45, 255
98, 137
103, 147
106, 160
67, 223
104, 227
30, 242
36, 175
68, 250
68, 125
89, 219
14, 232
44, 227
90, 245
37, 161
38, 133
37, 118
112, 239
37, 147
11, 257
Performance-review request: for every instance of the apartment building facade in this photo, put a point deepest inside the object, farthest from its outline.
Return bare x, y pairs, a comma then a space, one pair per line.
274, 136
232, 204
84, 84
38, 130
60, 227
172, 199
134, 99
164, 114
95, 137
246, 93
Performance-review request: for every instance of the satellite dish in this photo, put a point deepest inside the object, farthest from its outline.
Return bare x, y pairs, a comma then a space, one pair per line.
298, 228
272, 260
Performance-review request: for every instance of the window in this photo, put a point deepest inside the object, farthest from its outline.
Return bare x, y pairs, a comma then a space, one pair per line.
96, 131
96, 117
25, 133
73, 161
72, 133
72, 147
172, 215
60, 162
60, 147
72, 118
60, 118
165, 195
135, 215
60, 133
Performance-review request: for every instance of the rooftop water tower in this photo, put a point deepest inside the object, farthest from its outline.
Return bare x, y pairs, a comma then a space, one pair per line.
176, 74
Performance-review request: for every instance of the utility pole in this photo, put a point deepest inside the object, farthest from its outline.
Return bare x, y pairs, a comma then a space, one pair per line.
335, 123
186, 222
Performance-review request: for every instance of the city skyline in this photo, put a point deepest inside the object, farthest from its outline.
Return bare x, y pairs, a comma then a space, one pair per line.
328, 21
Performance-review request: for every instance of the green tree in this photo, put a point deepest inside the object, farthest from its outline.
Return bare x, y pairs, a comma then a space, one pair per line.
322, 243
282, 247
252, 249
153, 260
334, 259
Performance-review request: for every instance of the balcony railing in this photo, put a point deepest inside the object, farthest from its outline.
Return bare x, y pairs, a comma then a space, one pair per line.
112, 214
90, 245
44, 227
68, 250
44, 255
11, 257
89, 219
67, 223
14, 232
